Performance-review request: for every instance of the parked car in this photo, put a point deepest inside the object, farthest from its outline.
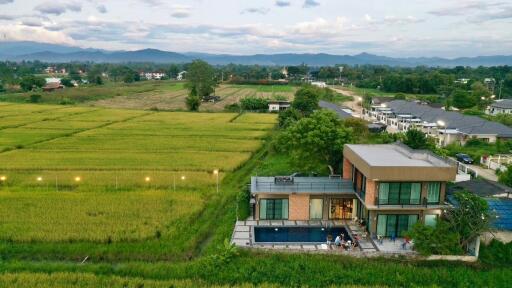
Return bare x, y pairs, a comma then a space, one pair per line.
464, 158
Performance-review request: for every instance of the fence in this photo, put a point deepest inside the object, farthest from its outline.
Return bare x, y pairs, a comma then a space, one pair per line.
496, 162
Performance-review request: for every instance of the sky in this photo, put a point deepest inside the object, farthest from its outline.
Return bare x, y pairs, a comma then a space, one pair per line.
396, 28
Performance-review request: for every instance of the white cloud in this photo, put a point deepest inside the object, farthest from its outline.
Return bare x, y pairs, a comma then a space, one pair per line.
6, 1
14, 32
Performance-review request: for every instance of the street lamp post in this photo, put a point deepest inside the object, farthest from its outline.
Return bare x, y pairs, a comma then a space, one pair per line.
443, 124
216, 172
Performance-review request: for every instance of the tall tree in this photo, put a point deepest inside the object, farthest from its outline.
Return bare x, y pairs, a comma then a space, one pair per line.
316, 141
416, 139
201, 82
306, 100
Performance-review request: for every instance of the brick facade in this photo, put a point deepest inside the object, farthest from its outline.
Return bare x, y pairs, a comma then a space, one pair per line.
371, 192
299, 207
347, 169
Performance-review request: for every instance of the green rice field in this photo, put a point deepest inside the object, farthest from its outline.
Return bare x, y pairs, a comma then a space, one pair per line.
107, 175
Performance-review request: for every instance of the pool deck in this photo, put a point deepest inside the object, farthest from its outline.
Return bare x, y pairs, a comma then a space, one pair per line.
243, 237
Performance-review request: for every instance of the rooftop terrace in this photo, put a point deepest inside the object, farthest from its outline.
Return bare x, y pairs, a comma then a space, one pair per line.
396, 155
307, 185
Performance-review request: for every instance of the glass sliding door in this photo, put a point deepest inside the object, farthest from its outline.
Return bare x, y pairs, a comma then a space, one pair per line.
316, 208
391, 225
340, 209
274, 209
433, 191
399, 193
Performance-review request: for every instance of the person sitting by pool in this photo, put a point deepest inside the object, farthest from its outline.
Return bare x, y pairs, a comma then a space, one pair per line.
337, 242
329, 239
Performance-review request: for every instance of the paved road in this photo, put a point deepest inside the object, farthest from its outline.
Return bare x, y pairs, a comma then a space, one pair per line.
488, 174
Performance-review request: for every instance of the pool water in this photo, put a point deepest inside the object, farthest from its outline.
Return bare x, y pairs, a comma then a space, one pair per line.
298, 234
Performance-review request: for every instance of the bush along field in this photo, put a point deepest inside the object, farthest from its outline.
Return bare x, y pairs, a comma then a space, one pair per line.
98, 197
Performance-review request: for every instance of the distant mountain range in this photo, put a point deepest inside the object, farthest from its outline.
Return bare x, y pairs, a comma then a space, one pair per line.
18, 51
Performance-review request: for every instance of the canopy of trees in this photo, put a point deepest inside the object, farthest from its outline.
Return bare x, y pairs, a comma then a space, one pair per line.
316, 141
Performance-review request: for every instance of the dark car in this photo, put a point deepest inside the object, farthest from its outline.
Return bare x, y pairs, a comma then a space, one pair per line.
464, 158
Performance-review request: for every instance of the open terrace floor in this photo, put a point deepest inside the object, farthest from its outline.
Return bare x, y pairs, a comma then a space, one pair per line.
243, 237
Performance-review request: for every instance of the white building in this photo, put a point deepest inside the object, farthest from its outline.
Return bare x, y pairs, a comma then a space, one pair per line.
447, 127
319, 84
276, 106
152, 75
500, 107
181, 75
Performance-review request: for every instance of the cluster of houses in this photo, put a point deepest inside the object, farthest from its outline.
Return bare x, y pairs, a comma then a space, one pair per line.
446, 126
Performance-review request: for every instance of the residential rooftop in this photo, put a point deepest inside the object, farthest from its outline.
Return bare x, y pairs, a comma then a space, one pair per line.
297, 185
342, 113
465, 124
396, 155
504, 104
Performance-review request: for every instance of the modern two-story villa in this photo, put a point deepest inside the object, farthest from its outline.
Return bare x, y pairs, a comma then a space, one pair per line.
388, 187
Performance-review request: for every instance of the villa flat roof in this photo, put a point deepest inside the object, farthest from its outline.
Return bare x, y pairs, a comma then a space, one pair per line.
301, 185
397, 162
395, 155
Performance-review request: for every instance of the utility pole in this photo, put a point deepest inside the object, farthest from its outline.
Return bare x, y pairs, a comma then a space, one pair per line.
501, 88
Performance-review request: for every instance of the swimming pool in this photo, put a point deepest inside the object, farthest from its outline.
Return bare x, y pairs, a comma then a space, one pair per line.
297, 234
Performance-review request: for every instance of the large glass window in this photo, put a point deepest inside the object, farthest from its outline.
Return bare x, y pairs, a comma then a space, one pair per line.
340, 208
433, 192
316, 207
431, 220
390, 225
274, 209
399, 193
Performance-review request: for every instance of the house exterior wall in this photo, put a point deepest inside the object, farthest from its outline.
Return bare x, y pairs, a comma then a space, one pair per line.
371, 192
299, 207
347, 169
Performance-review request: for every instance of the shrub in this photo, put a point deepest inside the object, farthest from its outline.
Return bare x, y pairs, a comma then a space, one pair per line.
254, 104
35, 98
440, 240
235, 107
496, 253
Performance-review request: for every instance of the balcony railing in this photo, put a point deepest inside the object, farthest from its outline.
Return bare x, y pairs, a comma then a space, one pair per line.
402, 204
272, 187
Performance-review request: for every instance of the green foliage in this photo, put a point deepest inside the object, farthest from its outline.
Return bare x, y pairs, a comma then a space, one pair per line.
358, 126
496, 254
416, 139
400, 96
35, 98
254, 104
505, 177
200, 83
193, 102
94, 76
28, 83
306, 100
462, 99
66, 82
316, 140
288, 117
470, 218
438, 240
235, 107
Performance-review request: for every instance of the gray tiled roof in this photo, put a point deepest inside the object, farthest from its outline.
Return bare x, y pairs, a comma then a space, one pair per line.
505, 104
464, 123
333, 107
